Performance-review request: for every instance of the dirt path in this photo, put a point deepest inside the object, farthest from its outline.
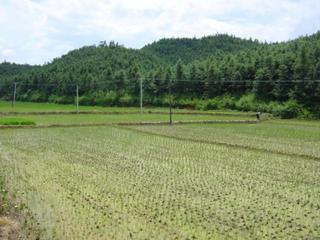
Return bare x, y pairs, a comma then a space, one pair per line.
9, 228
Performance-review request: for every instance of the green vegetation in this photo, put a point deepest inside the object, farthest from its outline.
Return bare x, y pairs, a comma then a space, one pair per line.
30, 107
282, 77
146, 183
115, 118
11, 69
61, 114
170, 50
15, 121
274, 135
5, 106
209, 181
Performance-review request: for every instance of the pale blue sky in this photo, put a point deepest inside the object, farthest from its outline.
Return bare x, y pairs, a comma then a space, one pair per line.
36, 31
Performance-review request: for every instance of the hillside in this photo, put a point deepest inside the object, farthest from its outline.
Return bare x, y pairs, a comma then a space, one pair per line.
93, 68
10, 69
108, 74
190, 49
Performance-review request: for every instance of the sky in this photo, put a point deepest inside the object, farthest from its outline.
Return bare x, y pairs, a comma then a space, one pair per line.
37, 31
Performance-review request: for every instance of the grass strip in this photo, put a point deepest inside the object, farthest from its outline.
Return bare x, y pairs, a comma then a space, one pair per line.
16, 121
5, 126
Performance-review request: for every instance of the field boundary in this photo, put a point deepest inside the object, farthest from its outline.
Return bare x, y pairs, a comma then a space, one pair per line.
128, 124
127, 112
223, 144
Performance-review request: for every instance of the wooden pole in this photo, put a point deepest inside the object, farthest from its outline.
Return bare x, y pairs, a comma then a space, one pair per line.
77, 99
170, 104
141, 96
14, 94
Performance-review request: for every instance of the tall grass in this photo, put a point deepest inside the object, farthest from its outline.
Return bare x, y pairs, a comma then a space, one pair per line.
16, 121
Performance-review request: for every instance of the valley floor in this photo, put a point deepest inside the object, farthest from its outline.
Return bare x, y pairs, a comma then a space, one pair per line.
212, 181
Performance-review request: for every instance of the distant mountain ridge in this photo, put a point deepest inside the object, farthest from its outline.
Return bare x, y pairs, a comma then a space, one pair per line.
205, 68
170, 50
10, 69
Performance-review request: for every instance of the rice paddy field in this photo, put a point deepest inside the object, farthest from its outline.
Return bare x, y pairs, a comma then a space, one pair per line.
197, 181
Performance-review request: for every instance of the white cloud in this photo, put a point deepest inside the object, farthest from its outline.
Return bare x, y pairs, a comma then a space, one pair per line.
7, 52
39, 30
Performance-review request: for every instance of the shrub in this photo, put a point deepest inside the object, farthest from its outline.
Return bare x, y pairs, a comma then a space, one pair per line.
227, 102
200, 104
24, 97
185, 103
211, 104
86, 100
37, 96
53, 98
106, 99
290, 109
60, 99
316, 112
126, 100
246, 103
166, 100
157, 102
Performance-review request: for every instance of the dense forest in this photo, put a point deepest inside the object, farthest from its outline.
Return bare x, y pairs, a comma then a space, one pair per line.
213, 72
10, 69
172, 49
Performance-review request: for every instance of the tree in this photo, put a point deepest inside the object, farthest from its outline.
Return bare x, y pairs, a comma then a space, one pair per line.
133, 78
212, 87
284, 83
180, 78
263, 84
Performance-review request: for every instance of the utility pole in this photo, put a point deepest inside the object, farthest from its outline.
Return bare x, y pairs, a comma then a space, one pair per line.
14, 94
77, 99
170, 103
141, 96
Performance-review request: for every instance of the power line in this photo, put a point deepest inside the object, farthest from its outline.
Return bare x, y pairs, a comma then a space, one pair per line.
166, 81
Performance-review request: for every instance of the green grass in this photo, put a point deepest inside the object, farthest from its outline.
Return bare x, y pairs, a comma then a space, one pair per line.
51, 107
97, 118
132, 116
15, 121
127, 183
292, 137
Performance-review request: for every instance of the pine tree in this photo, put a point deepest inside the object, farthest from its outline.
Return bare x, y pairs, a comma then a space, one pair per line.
180, 78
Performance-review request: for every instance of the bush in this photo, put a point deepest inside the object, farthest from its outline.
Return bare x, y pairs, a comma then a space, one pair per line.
86, 100
37, 96
185, 103
246, 103
227, 102
156, 102
24, 97
200, 104
316, 112
53, 98
290, 109
106, 99
60, 99
126, 100
211, 104
166, 100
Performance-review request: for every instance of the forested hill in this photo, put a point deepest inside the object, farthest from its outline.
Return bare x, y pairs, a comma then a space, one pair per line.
170, 50
10, 69
238, 74
95, 67
104, 56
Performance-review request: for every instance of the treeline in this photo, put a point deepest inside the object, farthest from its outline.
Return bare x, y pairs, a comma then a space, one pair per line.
10, 69
170, 50
282, 78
